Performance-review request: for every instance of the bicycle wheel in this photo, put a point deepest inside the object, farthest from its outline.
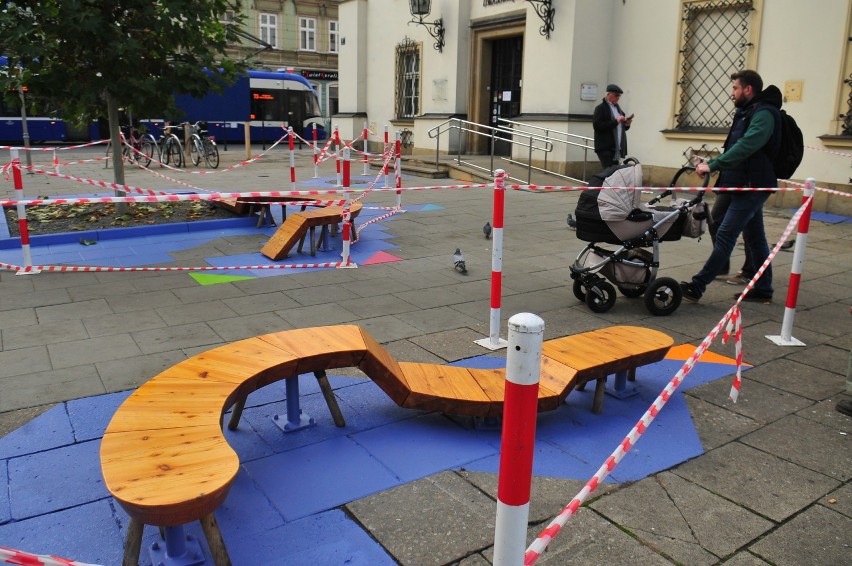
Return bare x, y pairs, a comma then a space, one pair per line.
195, 149
211, 154
174, 152
146, 151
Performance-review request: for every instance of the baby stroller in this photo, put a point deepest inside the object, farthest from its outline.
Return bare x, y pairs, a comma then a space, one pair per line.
616, 216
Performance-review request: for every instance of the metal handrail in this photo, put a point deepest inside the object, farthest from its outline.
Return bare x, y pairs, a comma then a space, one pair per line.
586, 143
475, 128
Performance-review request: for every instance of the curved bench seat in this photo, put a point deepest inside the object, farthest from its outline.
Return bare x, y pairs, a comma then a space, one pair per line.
166, 461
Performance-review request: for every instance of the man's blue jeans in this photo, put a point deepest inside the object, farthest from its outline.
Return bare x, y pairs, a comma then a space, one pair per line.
744, 216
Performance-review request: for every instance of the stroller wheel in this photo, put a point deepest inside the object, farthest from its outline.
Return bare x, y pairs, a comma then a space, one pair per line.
663, 296
632, 292
600, 297
579, 290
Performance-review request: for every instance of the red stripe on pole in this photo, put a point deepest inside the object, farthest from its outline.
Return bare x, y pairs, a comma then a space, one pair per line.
496, 286
516, 455
793, 292
499, 205
24, 231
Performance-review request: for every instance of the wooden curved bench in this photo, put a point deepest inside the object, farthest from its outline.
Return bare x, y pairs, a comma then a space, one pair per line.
164, 457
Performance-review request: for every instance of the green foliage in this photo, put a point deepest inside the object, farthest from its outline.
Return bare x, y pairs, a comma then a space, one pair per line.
71, 54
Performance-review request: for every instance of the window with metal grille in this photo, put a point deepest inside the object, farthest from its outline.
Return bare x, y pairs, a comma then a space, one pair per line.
717, 39
407, 103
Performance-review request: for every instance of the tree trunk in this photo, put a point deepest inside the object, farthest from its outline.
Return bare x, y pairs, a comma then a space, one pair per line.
117, 161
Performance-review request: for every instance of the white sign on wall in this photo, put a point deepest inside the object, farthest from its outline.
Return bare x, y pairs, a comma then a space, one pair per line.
588, 91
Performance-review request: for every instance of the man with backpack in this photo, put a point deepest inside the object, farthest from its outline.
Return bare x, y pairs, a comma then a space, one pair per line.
750, 150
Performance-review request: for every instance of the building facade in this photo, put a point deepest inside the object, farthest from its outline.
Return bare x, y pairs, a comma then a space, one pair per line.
302, 36
513, 60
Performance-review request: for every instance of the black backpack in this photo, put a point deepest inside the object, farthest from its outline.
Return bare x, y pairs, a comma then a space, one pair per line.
791, 150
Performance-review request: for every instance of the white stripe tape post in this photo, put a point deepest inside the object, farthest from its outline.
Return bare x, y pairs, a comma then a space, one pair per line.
523, 367
494, 342
786, 336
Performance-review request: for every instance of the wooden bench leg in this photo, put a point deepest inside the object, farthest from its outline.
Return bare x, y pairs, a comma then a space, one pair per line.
330, 399
597, 403
236, 413
133, 544
313, 242
215, 543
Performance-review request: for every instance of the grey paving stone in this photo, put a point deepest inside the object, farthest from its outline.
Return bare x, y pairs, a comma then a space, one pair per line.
122, 322
263, 303
807, 443
309, 296
758, 481
817, 536
142, 301
48, 280
263, 285
205, 293
588, 538
437, 319
388, 328
381, 305
165, 281
454, 519
690, 524
825, 357
50, 387
99, 290
453, 345
548, 496
73, 311
241, 327
12, 319
745, 558
789, 375
195, 312
131, 372
23, 361
39, 334
717, 426
175, 338
840, 500
17, 299
826, 413
432, 298
756, 400
326, 313
92, 350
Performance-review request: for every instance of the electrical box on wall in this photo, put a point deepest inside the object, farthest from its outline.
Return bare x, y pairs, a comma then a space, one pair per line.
793, 91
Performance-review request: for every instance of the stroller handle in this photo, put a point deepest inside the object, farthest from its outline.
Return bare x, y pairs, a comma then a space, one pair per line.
668, 192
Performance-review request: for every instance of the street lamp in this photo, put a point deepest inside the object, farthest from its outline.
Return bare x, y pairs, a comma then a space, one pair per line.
421, 9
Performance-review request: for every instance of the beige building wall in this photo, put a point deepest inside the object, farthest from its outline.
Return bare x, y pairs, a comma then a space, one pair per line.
633, 43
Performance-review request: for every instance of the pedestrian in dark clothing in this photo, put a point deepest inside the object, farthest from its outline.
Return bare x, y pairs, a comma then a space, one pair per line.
754, 137
610, 125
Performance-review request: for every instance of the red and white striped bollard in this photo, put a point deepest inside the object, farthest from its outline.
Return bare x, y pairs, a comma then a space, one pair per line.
494, 342
316, 151
292, 142
23, 228
786, 337
517, 444
366, 149
398, 169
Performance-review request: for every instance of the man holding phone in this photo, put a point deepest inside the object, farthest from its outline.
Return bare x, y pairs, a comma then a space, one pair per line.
610, 125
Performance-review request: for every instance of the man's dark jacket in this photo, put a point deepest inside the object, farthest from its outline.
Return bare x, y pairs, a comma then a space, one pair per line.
605, 127
756, 170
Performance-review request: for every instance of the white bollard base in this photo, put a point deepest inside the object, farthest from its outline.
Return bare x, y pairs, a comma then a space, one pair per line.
352, 265
28, 272
781, 341
488, 343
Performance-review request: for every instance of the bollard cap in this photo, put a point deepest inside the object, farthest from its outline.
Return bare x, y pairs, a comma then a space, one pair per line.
527, 323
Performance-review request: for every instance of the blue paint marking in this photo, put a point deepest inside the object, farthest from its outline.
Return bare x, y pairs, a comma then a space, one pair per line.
54, 499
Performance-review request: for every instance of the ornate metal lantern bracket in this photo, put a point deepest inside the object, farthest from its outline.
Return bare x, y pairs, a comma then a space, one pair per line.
545, 11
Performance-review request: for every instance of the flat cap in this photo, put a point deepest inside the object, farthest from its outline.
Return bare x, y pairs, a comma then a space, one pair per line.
614, 88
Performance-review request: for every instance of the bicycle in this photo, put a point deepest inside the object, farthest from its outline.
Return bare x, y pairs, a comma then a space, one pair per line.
135, 148
201, 144
169, 146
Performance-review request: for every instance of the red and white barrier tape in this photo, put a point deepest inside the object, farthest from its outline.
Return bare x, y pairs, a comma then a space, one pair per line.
392, 212
106, 269
89, 144
12, 556
832, 152
732, 321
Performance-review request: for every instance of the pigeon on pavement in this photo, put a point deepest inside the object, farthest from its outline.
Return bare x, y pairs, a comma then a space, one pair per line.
571, 222
487, 230
458, 262
788, 244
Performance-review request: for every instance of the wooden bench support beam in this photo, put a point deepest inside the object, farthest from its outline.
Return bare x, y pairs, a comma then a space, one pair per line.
133, 543
330, 399
215, 543
237, 412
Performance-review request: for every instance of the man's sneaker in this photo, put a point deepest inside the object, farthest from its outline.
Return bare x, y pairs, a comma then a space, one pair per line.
756, 297
737, 279
689, 293
844, 406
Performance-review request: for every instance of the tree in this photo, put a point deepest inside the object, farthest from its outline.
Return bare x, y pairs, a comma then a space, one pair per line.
79, 57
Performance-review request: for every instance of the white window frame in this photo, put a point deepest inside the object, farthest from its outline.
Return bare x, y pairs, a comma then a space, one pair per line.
267, 26
307, 34
333, 36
